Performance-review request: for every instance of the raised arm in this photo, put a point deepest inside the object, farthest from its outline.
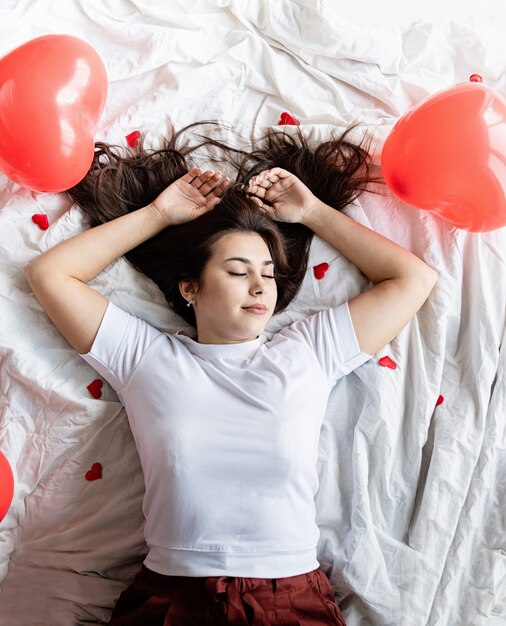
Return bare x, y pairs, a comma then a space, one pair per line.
59, 277
402, 282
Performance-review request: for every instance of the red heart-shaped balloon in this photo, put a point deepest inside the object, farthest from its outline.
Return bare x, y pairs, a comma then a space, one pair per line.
95, 472
448, 155
52, 93
6, 486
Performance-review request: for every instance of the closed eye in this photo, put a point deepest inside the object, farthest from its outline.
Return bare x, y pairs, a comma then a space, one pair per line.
237, 274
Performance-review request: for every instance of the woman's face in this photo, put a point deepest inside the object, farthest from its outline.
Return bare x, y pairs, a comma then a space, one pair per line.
236, 296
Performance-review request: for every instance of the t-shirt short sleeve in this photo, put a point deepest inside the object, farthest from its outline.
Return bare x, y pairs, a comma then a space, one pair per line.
121, 342
331, 337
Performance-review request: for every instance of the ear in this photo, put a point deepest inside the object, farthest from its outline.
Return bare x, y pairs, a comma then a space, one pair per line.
188, 289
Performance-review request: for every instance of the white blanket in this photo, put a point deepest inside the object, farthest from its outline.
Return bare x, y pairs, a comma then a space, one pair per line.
411, 498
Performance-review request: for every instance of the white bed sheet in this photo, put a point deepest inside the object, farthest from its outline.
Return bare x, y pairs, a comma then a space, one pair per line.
411, 498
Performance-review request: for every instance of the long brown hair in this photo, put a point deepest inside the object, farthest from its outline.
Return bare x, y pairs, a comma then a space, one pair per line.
121, 181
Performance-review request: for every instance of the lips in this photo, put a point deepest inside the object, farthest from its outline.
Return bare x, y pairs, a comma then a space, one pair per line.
259, 309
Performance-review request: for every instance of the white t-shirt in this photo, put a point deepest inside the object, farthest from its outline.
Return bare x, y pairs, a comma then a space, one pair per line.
228, 438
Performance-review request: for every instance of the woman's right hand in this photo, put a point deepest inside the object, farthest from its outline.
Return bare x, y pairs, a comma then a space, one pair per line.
190, 196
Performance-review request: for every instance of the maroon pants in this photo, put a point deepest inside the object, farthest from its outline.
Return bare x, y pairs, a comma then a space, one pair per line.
157, 600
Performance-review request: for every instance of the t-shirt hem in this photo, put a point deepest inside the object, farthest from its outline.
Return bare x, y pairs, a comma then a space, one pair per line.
272, 564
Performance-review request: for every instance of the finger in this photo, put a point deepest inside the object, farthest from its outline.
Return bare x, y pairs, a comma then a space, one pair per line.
217, 193
202, 179
263, 181
212, 202
257, 201
265, 208
220, 188
189, 176
261, 205
259, 187
214, 197
269, 181
210, 184
254, 184
256, 190
274, 171
273, 175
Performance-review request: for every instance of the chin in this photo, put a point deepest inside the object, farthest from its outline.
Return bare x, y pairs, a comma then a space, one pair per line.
249, 333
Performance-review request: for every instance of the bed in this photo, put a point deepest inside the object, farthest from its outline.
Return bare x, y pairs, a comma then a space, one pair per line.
412, 459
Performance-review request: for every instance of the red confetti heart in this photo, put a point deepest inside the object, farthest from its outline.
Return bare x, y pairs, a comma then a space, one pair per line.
287, 119
133, 138
41, 220
95, 472
440, 400
386, 361
95, 388
320, 270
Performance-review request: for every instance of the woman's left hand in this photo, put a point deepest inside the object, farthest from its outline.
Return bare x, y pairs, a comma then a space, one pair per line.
282, 195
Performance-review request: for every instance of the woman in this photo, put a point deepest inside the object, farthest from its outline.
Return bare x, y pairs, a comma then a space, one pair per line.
227, 425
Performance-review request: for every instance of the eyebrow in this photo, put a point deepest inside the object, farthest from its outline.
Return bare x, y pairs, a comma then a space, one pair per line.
247, 261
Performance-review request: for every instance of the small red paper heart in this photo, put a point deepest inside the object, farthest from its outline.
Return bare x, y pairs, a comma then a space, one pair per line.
95, 388
95, 472
386, 361
287, 119
41, 220
440, 400
320, 270
133, 138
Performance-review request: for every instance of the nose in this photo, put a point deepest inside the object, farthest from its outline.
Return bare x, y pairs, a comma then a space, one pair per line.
257, 287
